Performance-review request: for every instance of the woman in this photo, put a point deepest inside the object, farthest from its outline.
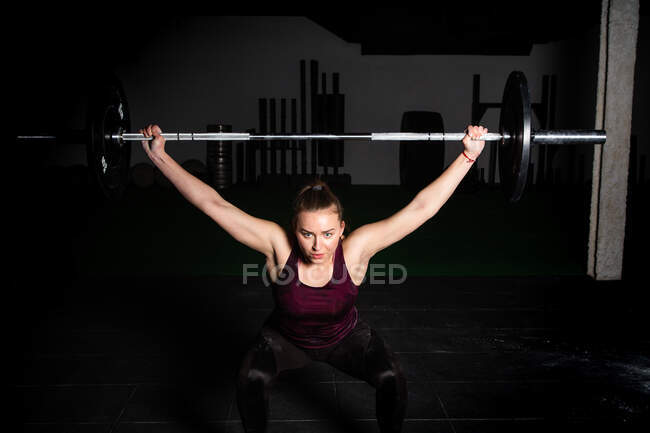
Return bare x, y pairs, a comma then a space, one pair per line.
315, 273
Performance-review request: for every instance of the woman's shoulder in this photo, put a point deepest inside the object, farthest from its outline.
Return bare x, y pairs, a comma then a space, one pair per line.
355, 263
282, 247
352, 249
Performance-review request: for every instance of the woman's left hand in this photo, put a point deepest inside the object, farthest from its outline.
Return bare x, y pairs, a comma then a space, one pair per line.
474, 147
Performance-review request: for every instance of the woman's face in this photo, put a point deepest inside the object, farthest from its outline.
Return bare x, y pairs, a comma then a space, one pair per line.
318, 234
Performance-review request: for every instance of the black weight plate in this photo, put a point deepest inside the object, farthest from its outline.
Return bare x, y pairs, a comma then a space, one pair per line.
515, 121
109, 160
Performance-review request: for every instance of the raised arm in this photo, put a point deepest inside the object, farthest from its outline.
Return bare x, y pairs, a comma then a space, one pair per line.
258, 234
374, 237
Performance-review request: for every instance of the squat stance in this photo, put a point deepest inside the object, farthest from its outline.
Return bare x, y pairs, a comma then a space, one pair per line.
315, 272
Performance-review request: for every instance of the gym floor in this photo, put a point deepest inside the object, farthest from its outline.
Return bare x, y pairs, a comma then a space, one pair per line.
119, 325
480, 354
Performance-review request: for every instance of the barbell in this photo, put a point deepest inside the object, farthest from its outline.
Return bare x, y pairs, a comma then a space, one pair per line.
109, 149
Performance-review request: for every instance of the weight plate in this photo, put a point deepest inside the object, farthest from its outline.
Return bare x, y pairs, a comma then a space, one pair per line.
515, 121
109, 160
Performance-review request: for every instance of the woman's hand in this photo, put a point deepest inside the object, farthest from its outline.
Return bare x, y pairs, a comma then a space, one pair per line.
156, 147
473, 147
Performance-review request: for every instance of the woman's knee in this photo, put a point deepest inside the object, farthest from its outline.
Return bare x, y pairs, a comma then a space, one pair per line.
391, 378
258, 365
382, 364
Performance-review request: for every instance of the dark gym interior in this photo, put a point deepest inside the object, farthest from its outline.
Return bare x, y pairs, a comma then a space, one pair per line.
130, 310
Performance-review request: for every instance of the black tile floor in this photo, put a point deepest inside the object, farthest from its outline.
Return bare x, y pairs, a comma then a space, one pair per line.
480, 355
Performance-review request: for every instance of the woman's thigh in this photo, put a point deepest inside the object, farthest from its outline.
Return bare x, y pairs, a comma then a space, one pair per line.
287, 355
363, 354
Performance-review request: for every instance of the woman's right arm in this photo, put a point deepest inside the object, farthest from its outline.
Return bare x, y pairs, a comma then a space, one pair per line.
258, 234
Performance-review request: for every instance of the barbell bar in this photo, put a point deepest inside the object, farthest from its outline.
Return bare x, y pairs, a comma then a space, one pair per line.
558, 137
238, 136
568, 137
108, 145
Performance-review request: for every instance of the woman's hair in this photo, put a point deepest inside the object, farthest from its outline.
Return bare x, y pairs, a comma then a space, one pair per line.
313, 197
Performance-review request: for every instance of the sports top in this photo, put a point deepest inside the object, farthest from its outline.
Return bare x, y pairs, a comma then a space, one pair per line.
314, 317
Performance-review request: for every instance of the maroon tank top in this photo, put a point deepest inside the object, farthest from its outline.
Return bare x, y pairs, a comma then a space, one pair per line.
314, 317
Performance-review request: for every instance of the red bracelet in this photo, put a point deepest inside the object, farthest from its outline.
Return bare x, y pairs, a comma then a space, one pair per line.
470, 159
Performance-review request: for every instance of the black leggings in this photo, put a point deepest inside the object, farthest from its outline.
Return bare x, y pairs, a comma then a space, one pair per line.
361, 354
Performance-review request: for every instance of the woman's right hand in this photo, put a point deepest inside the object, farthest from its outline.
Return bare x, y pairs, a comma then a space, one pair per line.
155, 147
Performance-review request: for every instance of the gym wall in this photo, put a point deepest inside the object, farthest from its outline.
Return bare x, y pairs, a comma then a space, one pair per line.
185, 73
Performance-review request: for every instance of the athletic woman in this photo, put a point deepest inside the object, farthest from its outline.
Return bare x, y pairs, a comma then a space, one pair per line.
315, 273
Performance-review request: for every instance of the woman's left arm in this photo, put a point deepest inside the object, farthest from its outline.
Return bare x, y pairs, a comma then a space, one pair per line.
374, 237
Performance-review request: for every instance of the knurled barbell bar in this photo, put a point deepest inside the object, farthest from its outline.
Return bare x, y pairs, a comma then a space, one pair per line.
539, 137
109, 147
